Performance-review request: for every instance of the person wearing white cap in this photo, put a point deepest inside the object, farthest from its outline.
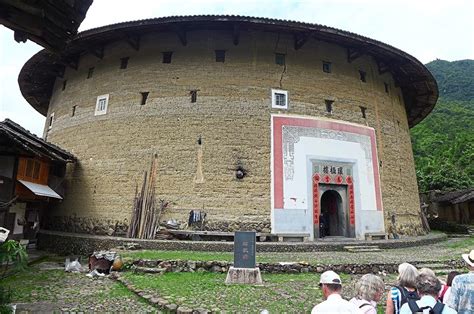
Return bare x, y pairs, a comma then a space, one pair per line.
462, 289
331, 284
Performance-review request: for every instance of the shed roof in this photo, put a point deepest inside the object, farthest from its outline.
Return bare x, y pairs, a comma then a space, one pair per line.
455, 197
33, 144
419, 87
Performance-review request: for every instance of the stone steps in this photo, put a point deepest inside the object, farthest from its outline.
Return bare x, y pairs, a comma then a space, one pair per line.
362, 248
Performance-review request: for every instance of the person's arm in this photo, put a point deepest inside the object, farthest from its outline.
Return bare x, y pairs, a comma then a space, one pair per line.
389, 308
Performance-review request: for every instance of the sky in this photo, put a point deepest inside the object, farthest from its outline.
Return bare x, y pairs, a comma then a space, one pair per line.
426, 29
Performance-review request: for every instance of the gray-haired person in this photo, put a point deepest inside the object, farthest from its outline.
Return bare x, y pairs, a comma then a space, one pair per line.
405, 289
428, 287
369, 290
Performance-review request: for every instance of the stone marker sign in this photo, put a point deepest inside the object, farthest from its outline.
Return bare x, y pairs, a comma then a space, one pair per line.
244, 270
244, 249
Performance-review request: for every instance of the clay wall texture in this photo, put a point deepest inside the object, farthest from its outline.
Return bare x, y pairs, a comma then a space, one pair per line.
232, 117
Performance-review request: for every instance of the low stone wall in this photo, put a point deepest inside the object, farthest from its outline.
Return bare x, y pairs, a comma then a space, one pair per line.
278, 268
83, 244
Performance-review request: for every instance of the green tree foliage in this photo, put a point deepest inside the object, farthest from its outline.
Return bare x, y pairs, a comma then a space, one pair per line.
443, 143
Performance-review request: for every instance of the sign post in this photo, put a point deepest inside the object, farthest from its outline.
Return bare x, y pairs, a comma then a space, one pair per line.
244, 270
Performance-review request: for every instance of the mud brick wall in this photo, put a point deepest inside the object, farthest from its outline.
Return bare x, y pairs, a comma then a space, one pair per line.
231, 116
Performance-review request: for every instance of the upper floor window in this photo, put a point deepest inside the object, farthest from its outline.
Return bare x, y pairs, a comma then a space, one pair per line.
101, 105
90, 72
220, 55
124, 62
167, 56
50, 120
362, 76
327, 67
279, 99
280, 58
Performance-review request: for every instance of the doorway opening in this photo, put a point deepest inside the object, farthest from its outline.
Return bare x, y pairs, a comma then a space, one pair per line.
332, 217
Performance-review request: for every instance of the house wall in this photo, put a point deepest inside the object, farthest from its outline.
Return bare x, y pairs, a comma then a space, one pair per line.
232, 117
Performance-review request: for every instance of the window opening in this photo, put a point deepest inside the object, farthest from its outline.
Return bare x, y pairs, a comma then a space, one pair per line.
193, 94
363, 110
386, 87
144, 97
64, 84
167, 56
51, 120
73, 112
220, 55
280, 58
279, 99
124, 62
363, 76
101, 105
326, 67
329, 105
90, 72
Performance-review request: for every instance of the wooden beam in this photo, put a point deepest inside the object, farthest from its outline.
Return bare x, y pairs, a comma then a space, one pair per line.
300, 39
382, 67
353, 54
133, 41
72, 62
97, 51
236, 34
181, 32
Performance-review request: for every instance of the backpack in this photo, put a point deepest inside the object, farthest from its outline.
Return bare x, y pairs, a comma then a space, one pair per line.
437, 309
443, 292
407, 295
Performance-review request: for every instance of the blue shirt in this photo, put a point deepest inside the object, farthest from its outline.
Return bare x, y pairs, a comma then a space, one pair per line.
462, 294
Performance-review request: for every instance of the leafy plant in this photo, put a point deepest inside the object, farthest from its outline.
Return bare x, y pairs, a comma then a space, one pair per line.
12, 253
5, 299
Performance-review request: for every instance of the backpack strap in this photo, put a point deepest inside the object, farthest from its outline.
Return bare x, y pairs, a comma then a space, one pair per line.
365, 304
414, 308
438, 308
403, 295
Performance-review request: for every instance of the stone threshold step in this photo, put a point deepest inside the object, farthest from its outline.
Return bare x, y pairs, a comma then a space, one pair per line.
361, 247
149, 270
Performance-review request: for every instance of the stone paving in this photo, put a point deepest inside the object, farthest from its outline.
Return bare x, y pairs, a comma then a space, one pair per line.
46, 288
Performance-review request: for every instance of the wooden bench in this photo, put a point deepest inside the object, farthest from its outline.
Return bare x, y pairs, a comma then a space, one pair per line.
198, 235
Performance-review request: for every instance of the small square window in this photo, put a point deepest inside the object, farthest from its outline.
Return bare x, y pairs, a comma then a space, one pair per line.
167, 56
280, 58
90, 72
326, 67
329, 105
279, 99
220, 55
101, 105
73, 111
386, 87
363, 76
50, 121
64, 84
124, 62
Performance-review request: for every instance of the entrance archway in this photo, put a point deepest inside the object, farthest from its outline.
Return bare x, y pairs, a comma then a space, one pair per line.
332, 215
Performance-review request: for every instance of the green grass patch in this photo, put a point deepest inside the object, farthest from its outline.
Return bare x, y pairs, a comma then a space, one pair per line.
280, 292
465, 243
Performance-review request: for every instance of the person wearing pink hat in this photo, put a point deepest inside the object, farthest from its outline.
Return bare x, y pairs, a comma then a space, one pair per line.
331, 284
462, 289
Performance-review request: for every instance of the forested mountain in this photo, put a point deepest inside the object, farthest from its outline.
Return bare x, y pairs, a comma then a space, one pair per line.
443, 143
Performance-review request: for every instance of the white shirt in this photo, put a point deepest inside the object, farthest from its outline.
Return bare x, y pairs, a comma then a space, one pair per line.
426, 300
335, 304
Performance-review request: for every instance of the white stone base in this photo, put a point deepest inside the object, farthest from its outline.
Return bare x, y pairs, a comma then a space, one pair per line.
250, 276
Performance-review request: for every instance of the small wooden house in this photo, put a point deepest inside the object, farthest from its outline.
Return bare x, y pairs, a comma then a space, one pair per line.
31, 178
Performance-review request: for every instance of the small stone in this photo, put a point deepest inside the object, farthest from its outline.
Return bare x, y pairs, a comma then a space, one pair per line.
155, 300
147, 296
162, 302
184, 310
171, 307
201, 311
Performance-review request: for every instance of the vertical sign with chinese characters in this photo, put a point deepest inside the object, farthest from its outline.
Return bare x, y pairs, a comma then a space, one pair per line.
244, 249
